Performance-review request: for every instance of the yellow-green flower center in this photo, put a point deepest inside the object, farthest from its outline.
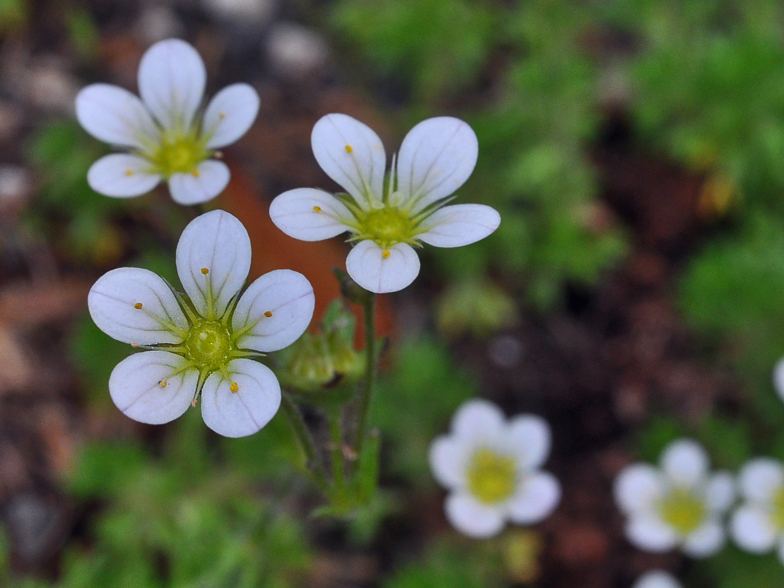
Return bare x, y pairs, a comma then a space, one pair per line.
682, 510
491, 476
387, 226
209, 345
777, 510
178, 152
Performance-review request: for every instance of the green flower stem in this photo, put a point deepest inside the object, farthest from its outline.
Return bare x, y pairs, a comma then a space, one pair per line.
336, 438
314, 462
366, 395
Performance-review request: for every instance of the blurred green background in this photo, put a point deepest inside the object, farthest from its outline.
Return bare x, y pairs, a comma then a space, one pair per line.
634, 292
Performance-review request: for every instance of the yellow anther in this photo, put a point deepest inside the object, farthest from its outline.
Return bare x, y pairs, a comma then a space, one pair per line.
129, 172
268, 313
349, 149
222, 115
234, 387
138, 306
317, 209
195, 173
386, 253
163, 383
193, 402
205, 271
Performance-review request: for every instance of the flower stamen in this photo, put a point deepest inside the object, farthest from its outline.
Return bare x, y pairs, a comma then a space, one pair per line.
234, 387
491, 476
138, 306
349, 149
205, 271
316, 209
268, 314
386, 253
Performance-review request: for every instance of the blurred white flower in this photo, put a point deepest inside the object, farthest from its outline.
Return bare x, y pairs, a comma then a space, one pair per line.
678, 504
657, 579
757, 525
491, 469
387, 219
295, 51
778, 378
166, 138
202, 341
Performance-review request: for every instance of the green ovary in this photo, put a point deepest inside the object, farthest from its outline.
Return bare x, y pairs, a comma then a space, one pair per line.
387, 226
682, 510
209, 345
491, 476
178, 153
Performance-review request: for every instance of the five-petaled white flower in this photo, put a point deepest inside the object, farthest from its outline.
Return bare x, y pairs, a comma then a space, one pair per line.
387, 218
758, 525
657, 579
202, 341
491, 468
678, 504
167, 140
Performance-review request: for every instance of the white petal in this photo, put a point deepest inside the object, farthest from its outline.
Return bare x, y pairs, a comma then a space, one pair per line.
720, 492
230, 114
472, 518
705, 541
436, 158
656, 579
112, 302
479, 422
536, 498
368, 267
638, 487
685, 462
288, 297
171, 82
529, 437
351, 154
752, 529
246, 411
778, 378
447, 459
460, 224
309, 215
136, 387
122, 176
114, 115
217, 242
649, 533
196, 188
760, 479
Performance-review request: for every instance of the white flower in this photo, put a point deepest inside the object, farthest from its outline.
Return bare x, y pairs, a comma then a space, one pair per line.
387, 218
678, 504
167, 140
758, 525
202, 341
491, 468
657, 579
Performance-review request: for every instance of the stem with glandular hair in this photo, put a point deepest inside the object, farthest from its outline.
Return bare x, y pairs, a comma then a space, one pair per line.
366, 394
314, 462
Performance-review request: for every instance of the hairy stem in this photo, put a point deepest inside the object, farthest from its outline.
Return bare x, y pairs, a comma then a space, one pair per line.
366, 394
314, 462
